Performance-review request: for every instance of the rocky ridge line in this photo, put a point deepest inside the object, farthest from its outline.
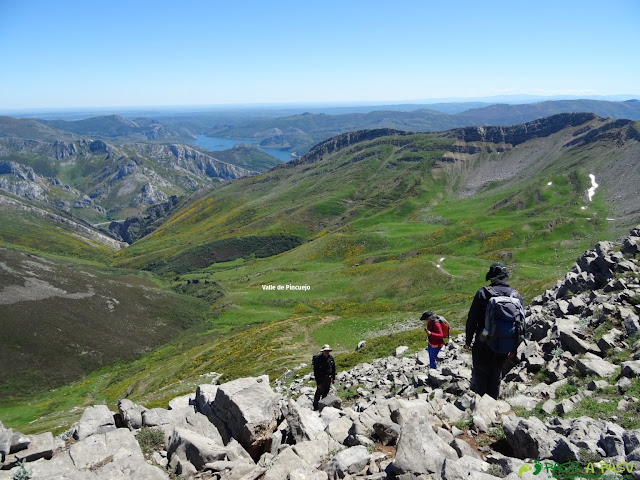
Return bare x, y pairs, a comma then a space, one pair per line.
174, 167
408, 422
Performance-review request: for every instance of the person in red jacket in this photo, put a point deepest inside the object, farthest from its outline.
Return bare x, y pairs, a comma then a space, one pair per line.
435, 336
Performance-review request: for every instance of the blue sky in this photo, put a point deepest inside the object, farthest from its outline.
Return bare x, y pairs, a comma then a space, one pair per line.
68, 54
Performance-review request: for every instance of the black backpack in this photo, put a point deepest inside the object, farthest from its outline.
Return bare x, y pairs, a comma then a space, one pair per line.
504, 322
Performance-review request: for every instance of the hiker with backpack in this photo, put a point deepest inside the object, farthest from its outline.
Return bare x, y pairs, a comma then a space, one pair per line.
437, 329
496, 320
324, 371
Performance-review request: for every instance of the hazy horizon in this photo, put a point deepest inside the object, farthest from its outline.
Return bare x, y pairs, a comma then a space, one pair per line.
125, 109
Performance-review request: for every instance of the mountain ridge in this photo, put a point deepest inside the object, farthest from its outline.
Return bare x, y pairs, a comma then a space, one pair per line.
314, 128
116, 126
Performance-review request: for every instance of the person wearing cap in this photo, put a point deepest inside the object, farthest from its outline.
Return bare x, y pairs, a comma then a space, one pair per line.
487, 364
324, 371
435, 336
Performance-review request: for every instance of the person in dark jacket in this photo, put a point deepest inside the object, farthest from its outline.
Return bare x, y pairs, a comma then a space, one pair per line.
324, 371
487, 364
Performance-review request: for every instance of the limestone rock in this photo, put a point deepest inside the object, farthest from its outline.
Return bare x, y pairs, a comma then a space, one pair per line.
194, 448
631, 369
98, 448
401, 350
304, 424
247, 410
387, 433
420, 450
289, 465
131, 413
39, 446
95, 419
591, 364
349, 461
529, 438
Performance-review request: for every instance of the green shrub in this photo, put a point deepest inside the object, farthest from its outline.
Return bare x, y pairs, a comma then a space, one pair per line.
495, 470
346, 394
150, 440
566, 391
464, 424
225, 250
22, 473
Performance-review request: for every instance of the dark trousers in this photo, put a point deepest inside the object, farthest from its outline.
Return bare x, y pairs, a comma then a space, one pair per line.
487, 370
322, 390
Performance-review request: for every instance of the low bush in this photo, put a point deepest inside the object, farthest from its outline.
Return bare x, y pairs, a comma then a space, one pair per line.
150, 440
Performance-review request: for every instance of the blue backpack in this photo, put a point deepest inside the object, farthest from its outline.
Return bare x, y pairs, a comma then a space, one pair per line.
504, 322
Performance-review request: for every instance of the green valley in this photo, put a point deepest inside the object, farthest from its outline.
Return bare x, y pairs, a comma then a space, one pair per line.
380, 225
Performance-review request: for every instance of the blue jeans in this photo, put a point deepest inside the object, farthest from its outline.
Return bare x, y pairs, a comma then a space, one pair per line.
433, 355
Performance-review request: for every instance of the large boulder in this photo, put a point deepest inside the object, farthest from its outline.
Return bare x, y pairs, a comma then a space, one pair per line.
288, 465
304, 424
98, 448
488, 408
183, 417
591, 364
572, 339
387, 433
131, 413
205, 396
349, 461
6, 434
631, 369
465, 467
315, 451
95, 419
127, 465
40, 446
530, 438
247, 409
194, 448
110, 456
339, 429
420, 450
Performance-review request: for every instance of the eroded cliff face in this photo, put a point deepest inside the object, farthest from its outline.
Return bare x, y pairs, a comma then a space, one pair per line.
513, 135
518, 134
128, 178
182, 157
342, 141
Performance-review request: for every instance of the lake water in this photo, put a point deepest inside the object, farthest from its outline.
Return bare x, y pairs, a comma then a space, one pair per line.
215, 144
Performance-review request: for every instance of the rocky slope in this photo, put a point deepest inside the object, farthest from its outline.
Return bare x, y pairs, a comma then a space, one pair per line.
93, 178
406, 421
73, 227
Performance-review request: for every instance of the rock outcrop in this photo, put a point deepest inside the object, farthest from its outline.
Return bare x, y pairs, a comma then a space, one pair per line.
518, 134
407, 422
131, 176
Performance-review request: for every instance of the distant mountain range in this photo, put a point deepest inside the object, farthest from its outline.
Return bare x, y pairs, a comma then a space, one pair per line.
115, 126
111, 167
299, 132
